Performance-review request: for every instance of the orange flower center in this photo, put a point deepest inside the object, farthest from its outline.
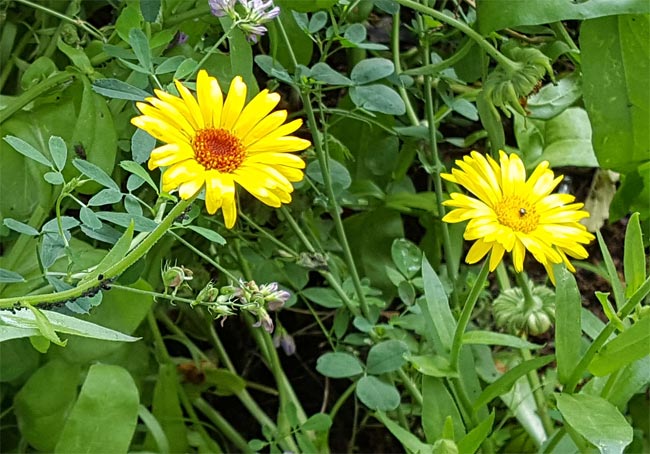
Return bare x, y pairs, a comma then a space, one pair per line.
218, 149
517, 213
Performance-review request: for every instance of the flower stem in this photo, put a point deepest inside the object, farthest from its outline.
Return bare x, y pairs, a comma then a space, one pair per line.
327, 179
466, 314
463, 27
437, 167
222, 424
43, 87
204, 256
212, 49
410, 112
78, 22
113, 271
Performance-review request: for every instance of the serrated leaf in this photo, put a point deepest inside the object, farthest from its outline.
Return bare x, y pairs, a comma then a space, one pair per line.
95, 173
27, 150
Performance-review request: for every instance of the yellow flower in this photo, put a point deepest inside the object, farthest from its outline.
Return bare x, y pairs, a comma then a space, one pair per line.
215, 143
510, 213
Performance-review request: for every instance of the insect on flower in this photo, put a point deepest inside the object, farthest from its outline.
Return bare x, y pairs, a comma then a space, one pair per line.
510, 213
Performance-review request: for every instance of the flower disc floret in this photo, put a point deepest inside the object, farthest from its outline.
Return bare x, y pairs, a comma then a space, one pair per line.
216, 144
510, 213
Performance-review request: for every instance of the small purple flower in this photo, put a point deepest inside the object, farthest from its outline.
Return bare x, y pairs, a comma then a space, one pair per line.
222, 8
254, 14
181, 38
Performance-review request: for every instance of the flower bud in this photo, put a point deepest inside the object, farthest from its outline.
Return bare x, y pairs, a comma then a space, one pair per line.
174, 276
516, 315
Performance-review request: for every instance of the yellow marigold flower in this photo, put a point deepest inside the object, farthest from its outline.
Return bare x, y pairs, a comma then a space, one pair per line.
215, 143
514, 214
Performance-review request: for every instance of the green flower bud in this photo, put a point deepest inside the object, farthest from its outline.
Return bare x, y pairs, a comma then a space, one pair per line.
512, 311
174, 276
506, 85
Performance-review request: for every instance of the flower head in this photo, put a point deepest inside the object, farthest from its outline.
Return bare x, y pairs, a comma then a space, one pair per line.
254, 14
511, 213
215, 144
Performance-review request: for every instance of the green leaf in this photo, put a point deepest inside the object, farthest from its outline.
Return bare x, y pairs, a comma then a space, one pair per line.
492, 338
136, 169
437, 405
553, 99
227, 383
378, 98
105, 415
154, 428
322, 72
141, 224
20, 227
54, 178
598, 421
323, 296
410, 442
319, 422
491, 121
58, 151
472, 441
630, 345
150, 9
564, 140
114, 88
95, 173
89, 218
208, 234
377, 394
113, 256
568, 331
44, 326
386, 356
8, 277
167, 410
507, 380
499, 14
371, 69
317, 22
77, 56
438, 318
306, 7
407, 257
338, 365
107, 196
43, 403
634, 258
140, 45
617, 287
27, 150
61, 323
615, 84
432, 365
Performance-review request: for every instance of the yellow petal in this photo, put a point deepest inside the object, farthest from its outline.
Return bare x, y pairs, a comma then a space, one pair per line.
159, 129
271, 122
192, 105
234, 103
478, 251
168, 155
281, 144
213, 185
259, 107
